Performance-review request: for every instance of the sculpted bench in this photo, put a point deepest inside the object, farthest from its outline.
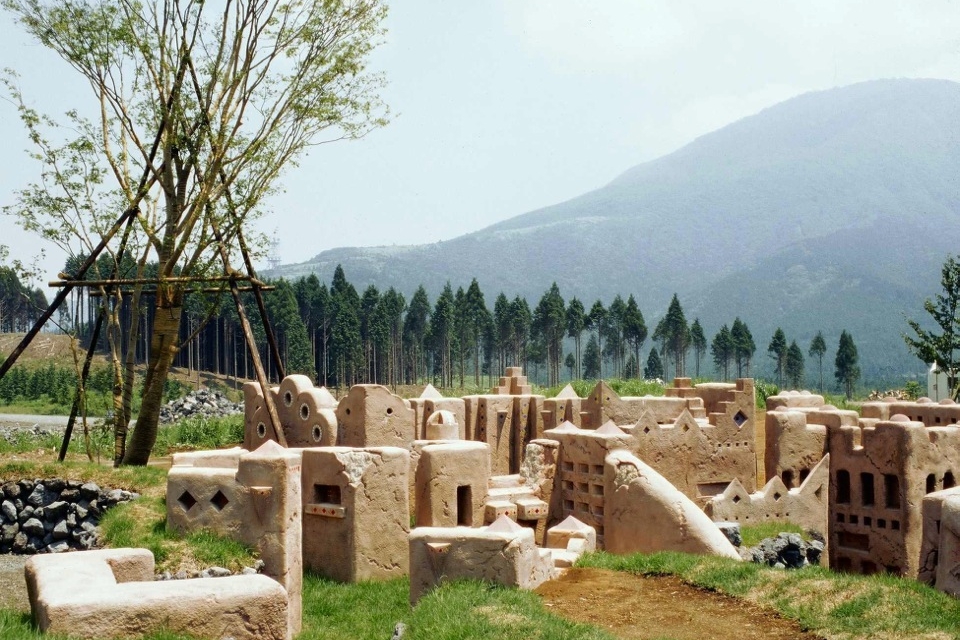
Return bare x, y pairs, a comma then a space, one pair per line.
112, 593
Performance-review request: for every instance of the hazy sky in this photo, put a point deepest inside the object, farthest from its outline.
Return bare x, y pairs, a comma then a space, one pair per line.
503, 106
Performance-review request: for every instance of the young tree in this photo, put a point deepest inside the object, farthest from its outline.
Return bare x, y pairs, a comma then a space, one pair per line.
503, 330
699, 343
942, 347
743, 346
635, 333
576, 324
676, 335
416, 327
597, 320
571, 363
550, 324
847, 371
200, 106
778, 351
793, 367
591, 359
722, 350
654, 368
818, 347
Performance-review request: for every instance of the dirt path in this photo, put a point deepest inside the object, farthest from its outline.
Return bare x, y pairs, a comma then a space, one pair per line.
634, 607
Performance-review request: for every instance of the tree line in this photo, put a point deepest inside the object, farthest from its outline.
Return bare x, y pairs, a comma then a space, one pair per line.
341, 336
20, 306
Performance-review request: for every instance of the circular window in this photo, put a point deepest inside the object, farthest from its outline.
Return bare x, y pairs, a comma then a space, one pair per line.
261, 430
288, 398
317, 433
304, 411
389, 410
348, 410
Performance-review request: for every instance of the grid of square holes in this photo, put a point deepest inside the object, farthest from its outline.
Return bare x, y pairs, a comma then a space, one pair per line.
581, 485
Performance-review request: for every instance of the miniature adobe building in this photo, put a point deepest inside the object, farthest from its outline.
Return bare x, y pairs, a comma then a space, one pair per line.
564, 407
796, 429
356, 512
935, 536
371, 416
805, 506
699, 438
256, 502
307, 414
879, 475
429, 403
451, 484
925, 410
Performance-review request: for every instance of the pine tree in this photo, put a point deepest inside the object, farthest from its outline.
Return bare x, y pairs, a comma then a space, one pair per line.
597, 320
818, 347
591, 359
635, 333
576, 324
416, 326
654, 368
722, 348
793, 365
847, 371
778, 351
743, 347
699, 343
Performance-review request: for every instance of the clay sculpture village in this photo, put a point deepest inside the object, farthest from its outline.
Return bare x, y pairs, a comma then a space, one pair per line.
512, 487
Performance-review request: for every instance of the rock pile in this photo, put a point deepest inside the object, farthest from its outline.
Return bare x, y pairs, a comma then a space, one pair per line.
211, 572
786, 551
13, 435
55, 515
203, 402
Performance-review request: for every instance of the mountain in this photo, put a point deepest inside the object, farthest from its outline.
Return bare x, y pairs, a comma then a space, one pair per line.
832, 210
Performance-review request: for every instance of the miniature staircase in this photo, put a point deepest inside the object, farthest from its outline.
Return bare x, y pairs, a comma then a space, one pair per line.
508, 496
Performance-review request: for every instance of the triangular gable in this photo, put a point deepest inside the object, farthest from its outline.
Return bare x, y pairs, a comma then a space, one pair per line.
686, 422
819, 477
430, 393
610, 429
566, 393
646, 423
503, 524
774, 488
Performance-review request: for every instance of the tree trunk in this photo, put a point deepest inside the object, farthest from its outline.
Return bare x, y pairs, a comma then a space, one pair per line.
163, 348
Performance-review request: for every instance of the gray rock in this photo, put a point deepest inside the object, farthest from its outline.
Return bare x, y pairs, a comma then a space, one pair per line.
399, 630
218, 572
20, 542
56, 510
8, 510
814, 551
58, 547
70, 494
60, 530
71, 520
55, 485
33, 527
181, 575
81, 512
25, 514
248, 571
732, 531
89, 491
11, 490
8, 532
39, 496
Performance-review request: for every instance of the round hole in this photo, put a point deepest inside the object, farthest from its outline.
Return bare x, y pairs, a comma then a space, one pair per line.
317, 433
348, 410
261, 430
288, 398
304, 412
389, 410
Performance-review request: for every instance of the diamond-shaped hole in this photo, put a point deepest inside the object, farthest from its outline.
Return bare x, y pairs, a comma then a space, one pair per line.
219, 501
736, 499
686, 428
646, 429
776, 497
740, 418
186, 500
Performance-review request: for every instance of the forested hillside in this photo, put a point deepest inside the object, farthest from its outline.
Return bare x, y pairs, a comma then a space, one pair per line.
831, 210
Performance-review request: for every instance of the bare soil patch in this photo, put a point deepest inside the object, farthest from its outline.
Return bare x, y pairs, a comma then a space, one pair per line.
636, 607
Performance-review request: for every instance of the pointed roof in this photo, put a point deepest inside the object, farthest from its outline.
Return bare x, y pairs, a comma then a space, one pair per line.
430, 393
567, 393
503, 524
609, 428
270, 448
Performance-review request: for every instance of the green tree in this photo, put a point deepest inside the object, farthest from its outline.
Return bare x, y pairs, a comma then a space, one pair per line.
478, 318
635, 333
591, 359
576, 324
793, 366
654, 368
441, 336
778, 351
614, 334
200, 107
676, 335
818, 347
416, 326
292, 338
550, 324
743, 346
571, 363
520, 321
597, 320
847, 370
941, 346
699, 343
502, 330
722, 349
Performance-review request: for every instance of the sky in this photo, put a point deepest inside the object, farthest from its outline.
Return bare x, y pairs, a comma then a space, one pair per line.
505, 106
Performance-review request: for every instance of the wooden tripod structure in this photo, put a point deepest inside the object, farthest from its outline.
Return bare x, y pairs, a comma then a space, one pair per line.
231, 278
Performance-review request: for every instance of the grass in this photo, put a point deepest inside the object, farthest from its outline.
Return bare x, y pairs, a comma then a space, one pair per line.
753, 534
623, 388
834, 605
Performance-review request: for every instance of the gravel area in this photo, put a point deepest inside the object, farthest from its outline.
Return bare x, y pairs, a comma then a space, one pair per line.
13, 588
